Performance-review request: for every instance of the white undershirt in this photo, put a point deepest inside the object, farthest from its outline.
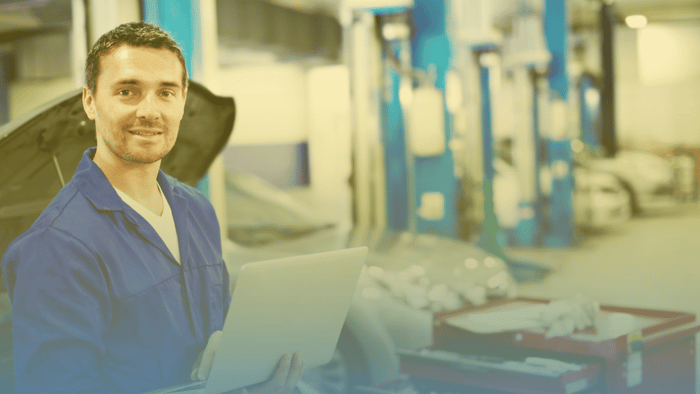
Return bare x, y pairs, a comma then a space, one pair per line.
163, 224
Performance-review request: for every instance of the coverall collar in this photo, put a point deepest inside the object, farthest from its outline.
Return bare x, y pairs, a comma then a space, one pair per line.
97, 189
95, 186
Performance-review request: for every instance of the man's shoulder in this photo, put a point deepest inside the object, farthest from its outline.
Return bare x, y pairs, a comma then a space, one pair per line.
67, 212
64, 204
50, 225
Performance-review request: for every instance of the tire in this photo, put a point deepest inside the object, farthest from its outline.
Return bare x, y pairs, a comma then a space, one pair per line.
634, 204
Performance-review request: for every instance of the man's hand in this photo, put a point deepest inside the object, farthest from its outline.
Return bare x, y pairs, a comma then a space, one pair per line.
283, 380
202, 367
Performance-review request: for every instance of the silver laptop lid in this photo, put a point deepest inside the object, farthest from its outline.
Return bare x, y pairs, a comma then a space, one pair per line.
283, 306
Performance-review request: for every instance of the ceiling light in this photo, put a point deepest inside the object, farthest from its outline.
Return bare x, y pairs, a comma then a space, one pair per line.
636, 21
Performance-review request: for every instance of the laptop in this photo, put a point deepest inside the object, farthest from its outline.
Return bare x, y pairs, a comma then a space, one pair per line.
281, 306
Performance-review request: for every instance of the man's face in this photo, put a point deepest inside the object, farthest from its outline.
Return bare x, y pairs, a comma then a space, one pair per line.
138, 103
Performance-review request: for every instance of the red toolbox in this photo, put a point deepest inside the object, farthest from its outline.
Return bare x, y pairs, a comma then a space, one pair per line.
657, 356
436, 371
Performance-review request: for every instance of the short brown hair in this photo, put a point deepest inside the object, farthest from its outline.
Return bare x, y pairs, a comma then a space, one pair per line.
136, 34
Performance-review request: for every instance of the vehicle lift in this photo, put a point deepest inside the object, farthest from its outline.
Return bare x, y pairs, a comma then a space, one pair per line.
427, 176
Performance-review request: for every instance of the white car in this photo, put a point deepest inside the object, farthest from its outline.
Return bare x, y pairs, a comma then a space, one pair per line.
648, 179
599, 199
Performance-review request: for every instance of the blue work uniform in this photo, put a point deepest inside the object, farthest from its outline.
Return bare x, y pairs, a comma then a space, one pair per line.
99, 304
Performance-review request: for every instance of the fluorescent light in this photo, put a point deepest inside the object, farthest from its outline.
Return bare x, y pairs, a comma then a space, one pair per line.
636, 21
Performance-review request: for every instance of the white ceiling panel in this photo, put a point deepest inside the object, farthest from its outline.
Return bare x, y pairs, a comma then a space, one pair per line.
584, 13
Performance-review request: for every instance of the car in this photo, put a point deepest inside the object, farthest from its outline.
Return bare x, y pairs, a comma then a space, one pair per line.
600, 200
408, 276
648, 179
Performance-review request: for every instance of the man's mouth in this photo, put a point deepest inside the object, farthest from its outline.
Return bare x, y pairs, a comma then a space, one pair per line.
144, 132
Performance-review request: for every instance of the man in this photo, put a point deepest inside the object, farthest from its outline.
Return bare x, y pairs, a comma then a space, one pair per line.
120, 283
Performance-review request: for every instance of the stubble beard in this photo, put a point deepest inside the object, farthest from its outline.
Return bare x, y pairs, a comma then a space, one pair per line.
124, 153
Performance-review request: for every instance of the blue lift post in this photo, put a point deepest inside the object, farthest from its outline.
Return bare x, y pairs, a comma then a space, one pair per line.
394, 137
528, 232
490, 238
409, 177
180, 18
561, 228
432, 51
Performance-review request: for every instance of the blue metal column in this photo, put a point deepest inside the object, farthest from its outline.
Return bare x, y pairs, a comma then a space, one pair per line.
559, 146
431, 51
394, 140
539, 159
491, 232
608, 134
529, 228
490, 238
180, 18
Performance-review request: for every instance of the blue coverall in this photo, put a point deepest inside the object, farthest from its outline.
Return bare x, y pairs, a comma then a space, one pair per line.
99, 304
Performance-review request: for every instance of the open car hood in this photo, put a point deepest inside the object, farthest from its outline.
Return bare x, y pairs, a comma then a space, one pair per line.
50, 141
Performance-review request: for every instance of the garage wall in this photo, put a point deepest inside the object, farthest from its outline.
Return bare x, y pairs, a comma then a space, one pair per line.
658, 84
43, 72
270, 103
26, 95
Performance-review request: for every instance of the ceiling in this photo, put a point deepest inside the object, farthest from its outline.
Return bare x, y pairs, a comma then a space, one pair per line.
584, 13
22, 17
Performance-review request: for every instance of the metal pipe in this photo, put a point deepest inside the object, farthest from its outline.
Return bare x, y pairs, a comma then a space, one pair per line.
608, 136
58, 169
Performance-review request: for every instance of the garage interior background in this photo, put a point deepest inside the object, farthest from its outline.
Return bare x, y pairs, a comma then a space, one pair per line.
287, 65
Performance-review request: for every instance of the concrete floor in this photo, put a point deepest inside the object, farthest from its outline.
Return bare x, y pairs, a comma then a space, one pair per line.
651, 261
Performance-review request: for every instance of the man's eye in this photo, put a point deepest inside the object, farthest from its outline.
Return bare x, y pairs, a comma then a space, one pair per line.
124, 92
168, 94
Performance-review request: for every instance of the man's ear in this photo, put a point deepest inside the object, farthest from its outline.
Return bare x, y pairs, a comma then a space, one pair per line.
88, 102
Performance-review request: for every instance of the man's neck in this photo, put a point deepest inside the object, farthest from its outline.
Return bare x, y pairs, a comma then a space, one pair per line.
138, 181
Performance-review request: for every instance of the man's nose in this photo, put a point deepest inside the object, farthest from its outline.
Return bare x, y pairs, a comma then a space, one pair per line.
147, 108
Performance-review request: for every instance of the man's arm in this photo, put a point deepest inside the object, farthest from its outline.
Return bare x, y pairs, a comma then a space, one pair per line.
60, 306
